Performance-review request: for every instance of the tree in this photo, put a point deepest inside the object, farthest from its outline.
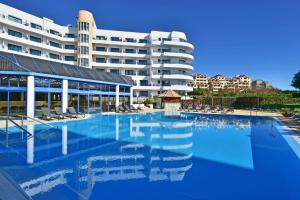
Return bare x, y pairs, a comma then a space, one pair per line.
296, 80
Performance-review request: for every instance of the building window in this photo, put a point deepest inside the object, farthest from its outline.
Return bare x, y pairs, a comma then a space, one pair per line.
14, 47
130, 40
117, 39
143, 41
100, 60
35, 52
115, 60
35, 39
129, 72
143, 51
129, 51
143, 94
129, 61
53, 32
55, 44
114, 71
84, 38
84, 50
100, 49
84, 62
100, 37
15, 19
115, 50
70, 46
142, 62
143, 82
54, 56
69, 58
14, 33
83, 26
182, 51
143, 73
182, 61
33, 25
72, 85
70, 35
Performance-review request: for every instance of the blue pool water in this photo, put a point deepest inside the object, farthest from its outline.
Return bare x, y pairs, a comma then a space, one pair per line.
155, 156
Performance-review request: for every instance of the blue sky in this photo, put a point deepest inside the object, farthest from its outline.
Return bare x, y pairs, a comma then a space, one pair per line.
257, 38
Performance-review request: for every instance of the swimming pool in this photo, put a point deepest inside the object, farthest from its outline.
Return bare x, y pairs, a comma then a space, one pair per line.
155, 156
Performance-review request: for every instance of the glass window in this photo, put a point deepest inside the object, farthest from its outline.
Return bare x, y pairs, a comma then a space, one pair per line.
129, 61
3, 103
13, 81
117, 39
83, 103
41, 101
129, 51
54, 56
83, 86
36, 26
99, 37
73, 101
84, 38
115, 49
101, 60
15, 19
54, 32
23, 81
142, 62
114, 71
84, 50
100, 49
36, 39
129, 72
55, 83
54, 44
70, 35
4, 81
14, 47
182, 51
17, 103
104, 103
143, 41
41, 82
130, 40
14, 33
84, 62
69, 46
143, 73
143, 94
35, 52
143, 82
72, 85
69, 58
55, 100
143, 51
115, 60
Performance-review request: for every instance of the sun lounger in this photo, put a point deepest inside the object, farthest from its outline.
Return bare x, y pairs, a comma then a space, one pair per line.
127, 108
59, 113
72, 111
46, 115
133, 108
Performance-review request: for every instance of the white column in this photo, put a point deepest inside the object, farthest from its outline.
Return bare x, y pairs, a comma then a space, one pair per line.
30, 96
30, 145
64, 140
64, 96
131, 95
117, 103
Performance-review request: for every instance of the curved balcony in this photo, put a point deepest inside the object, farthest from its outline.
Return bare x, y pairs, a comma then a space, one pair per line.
120, 43
120, 54
173, 54
174, 65
173, 76
119, 65
174, 43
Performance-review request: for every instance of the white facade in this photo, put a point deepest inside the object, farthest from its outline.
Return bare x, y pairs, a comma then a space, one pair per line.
157, 61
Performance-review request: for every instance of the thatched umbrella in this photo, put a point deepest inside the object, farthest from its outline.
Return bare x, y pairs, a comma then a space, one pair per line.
170, 96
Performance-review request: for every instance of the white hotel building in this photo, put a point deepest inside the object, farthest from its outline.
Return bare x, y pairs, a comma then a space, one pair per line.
156, 61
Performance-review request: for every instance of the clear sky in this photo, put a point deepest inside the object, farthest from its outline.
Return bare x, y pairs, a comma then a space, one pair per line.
260, 38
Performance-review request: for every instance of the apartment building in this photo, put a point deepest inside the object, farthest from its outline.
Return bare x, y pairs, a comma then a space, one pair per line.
220, 82
156, 61
261, 85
